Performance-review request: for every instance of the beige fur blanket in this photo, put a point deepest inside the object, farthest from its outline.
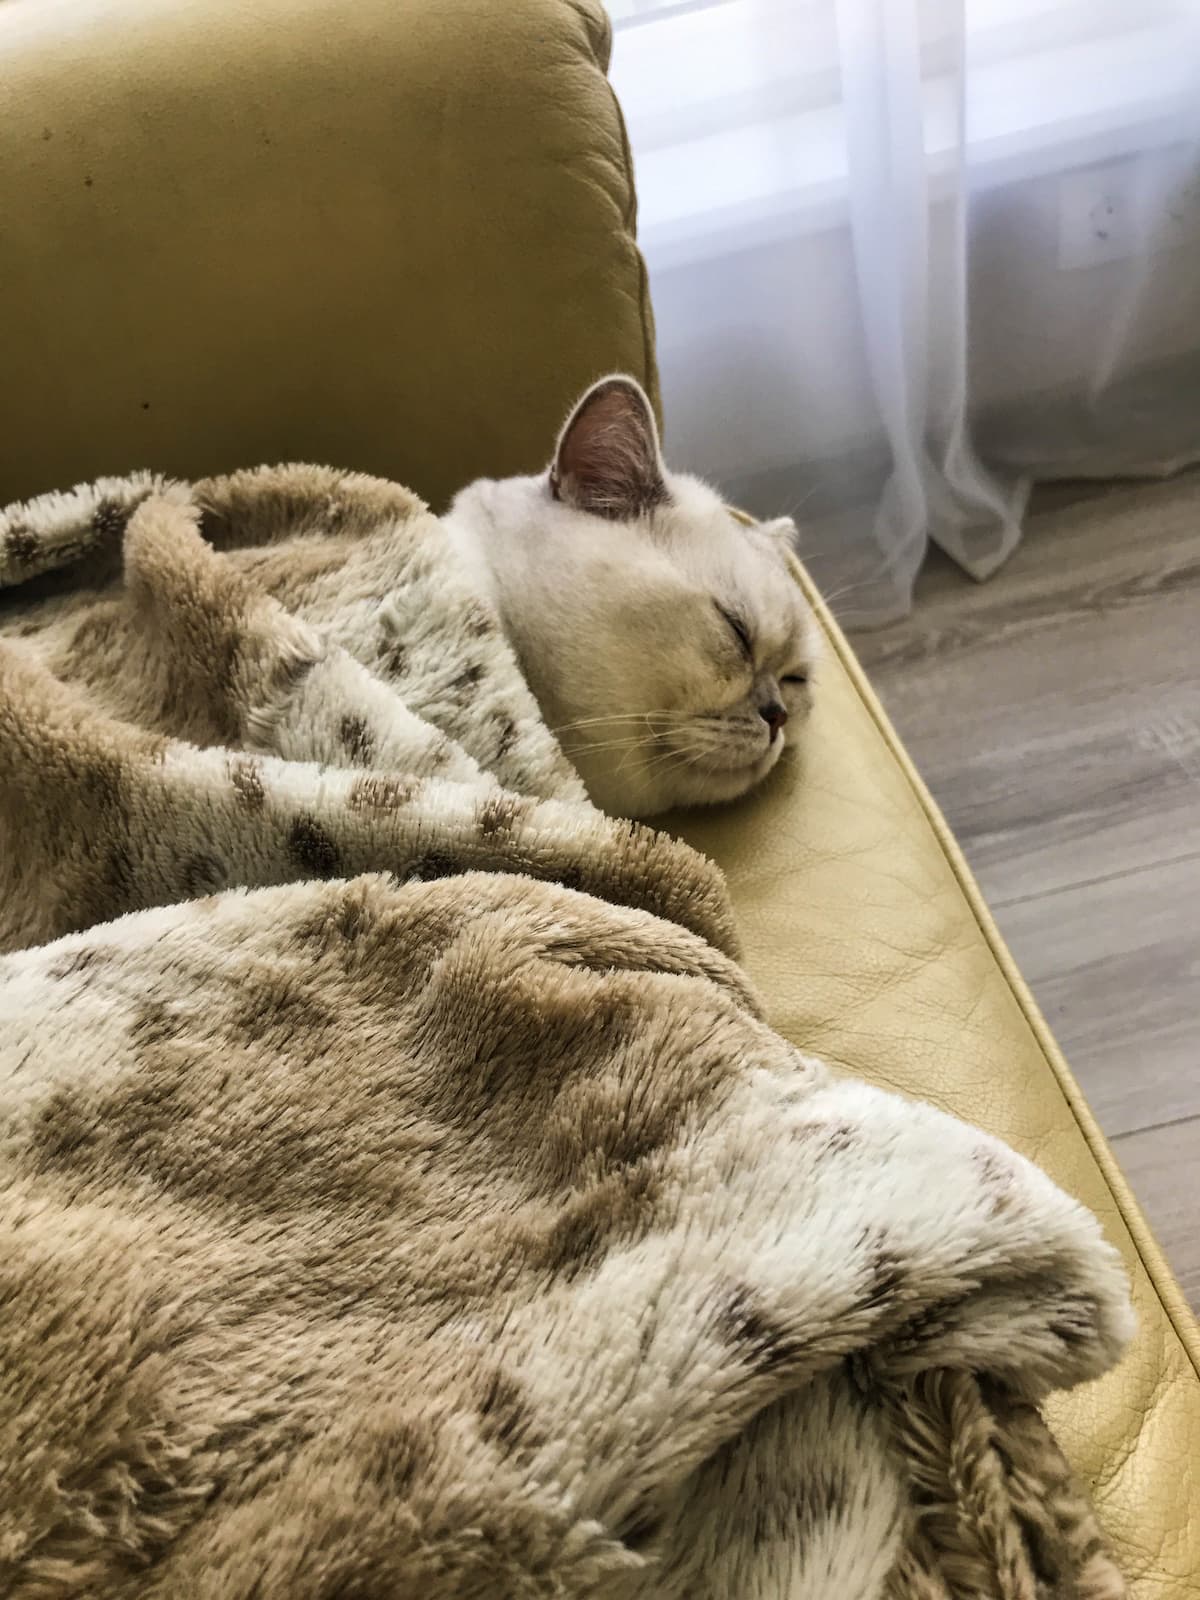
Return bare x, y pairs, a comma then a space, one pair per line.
454, 1226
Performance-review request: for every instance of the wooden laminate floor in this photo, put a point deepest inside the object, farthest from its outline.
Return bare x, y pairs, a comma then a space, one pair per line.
1055, 714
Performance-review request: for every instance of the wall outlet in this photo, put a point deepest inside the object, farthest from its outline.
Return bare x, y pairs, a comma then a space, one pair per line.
1128, 208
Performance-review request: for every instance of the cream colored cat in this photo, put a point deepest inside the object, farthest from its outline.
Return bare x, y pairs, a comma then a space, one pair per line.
666, 642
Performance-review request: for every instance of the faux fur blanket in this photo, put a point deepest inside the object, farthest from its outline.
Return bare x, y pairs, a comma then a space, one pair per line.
452, 1227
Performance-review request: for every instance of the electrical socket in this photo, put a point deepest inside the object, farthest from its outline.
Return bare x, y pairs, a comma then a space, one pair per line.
1127, 208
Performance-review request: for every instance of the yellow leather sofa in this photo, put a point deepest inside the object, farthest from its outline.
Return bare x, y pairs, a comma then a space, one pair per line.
399, 235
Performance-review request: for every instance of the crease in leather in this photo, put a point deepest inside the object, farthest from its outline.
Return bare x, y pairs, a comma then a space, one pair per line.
1166, 1289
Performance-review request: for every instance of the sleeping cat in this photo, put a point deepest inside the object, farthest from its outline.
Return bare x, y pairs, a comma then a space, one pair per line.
665, 640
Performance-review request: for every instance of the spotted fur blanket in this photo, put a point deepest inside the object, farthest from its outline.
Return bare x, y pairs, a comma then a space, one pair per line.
402, 1195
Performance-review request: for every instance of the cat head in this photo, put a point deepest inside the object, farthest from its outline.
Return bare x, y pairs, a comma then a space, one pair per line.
664, 636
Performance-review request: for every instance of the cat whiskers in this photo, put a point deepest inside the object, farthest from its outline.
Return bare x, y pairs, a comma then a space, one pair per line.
844, 591
623, 716
661, 766
668, 741
595, 746
722, 743
657, 724
647, 747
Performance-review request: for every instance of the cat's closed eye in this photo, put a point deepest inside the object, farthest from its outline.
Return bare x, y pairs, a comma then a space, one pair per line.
738, 628
798, 678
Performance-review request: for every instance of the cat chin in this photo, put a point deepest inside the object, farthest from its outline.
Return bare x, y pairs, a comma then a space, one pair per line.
686, 787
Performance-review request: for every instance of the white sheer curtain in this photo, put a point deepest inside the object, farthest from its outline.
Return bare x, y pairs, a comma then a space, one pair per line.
909, 255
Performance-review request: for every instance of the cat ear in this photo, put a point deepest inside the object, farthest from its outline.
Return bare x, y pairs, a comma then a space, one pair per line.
608, 460
782, 530
785, 532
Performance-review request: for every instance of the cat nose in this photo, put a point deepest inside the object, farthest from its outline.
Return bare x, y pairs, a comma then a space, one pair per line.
774, 715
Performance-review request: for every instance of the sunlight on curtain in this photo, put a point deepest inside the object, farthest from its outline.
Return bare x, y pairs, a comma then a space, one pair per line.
907, 257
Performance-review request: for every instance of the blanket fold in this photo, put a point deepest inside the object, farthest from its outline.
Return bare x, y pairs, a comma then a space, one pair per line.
403, 1193
154, 689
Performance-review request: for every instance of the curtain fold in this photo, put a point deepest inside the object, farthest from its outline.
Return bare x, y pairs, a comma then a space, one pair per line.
909, 257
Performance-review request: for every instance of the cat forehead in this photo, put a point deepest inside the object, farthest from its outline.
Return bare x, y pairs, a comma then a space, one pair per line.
692, 500
694, 506
730, 554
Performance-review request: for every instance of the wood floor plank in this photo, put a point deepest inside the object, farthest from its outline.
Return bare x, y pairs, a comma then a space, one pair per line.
1115, 965
1048, 797
1118, 550
1055, 711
